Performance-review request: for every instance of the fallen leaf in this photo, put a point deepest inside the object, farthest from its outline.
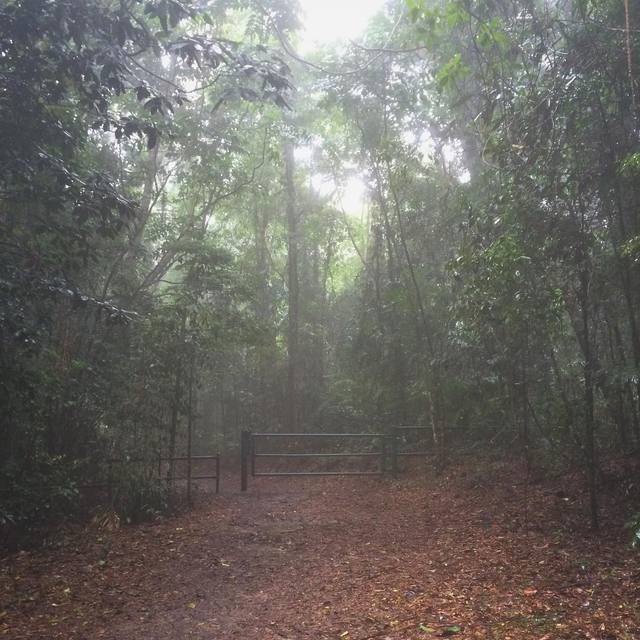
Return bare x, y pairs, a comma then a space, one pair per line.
452, 630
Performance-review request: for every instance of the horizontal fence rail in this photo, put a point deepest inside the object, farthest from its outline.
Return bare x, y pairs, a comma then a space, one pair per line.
250, 454
313, 455
160, 476
319, 435
387, 452
272, 474
397, 443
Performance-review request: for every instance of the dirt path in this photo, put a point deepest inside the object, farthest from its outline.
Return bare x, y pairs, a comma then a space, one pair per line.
327, 559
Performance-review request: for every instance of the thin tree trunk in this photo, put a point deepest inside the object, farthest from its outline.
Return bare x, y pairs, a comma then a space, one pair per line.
190, 423
589, 419
175, 408
291, 414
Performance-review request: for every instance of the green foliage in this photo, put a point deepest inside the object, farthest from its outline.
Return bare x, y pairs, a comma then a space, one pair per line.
138, 496
634, 526
490, 286
34, 496
452, 72
631, 249
113, 296
630, 166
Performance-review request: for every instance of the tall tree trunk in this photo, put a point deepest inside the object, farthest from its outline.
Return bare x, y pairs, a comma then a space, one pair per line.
291, 415
526, 439
589, 419
263, 309
175, 407
190, 419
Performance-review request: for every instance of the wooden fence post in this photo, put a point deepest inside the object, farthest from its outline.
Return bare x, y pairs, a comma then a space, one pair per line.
252, 453
245, 444
394, 452
110, 482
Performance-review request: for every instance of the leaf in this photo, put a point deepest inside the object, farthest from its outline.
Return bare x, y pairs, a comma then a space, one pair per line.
142, 92
424, 629
152, 137
452, 630
154, 105
453, 70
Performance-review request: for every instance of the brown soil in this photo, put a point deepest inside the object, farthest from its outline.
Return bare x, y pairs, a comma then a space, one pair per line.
349, 559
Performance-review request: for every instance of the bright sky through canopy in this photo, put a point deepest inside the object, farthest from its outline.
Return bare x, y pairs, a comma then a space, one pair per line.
328, 20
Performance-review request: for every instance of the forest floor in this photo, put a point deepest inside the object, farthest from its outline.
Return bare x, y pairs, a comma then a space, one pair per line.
474, 554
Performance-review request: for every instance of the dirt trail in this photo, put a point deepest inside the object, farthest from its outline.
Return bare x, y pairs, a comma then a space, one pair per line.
333, 558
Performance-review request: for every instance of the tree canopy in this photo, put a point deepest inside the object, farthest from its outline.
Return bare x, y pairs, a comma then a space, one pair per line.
182, 254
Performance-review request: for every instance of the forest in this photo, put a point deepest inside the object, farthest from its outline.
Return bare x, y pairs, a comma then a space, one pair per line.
210, 225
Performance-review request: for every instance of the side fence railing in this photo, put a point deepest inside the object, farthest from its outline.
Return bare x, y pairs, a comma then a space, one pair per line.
162, 473
385, 448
